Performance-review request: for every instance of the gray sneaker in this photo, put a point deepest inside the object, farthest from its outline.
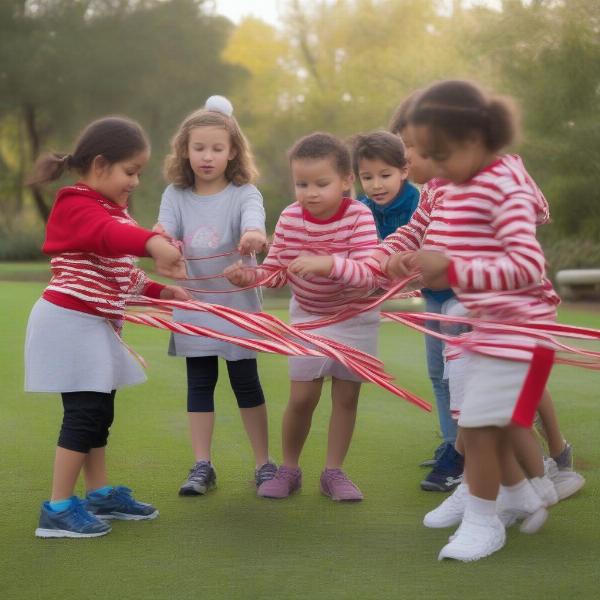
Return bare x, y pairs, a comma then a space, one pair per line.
564, 461
202, 478
265, 473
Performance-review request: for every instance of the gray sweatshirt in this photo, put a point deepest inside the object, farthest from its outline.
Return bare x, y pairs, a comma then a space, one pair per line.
209, 225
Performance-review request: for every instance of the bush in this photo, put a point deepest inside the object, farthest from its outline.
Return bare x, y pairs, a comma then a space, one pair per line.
20, 245
571, 253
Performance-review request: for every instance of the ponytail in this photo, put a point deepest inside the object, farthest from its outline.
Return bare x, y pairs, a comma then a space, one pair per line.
49, 167
502, 123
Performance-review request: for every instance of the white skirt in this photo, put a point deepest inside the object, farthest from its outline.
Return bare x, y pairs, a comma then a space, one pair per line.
71, 351
361, 333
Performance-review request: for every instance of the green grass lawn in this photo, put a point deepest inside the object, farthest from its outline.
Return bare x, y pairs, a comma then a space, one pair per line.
230, 544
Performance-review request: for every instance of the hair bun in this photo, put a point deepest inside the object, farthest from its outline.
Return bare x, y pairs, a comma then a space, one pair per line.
219, 104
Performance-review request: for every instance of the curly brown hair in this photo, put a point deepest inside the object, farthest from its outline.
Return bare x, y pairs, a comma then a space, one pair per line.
240, 169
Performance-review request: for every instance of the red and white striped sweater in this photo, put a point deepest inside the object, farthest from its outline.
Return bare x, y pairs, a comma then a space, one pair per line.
411, 235
349, 236
93, 243
487, 226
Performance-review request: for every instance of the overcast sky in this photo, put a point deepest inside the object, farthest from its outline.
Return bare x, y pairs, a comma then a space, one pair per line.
236, 9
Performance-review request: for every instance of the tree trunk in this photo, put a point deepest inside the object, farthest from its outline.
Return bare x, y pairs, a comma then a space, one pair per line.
34, 145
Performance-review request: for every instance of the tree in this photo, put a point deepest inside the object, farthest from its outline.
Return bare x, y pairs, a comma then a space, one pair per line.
154, 61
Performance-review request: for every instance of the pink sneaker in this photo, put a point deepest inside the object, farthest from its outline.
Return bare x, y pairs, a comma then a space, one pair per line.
336, 485
286, 482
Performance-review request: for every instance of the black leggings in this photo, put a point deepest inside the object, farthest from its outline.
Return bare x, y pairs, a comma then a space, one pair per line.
202, 375
86, 420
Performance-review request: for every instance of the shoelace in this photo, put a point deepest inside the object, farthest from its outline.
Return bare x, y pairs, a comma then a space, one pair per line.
81, 516
266, 472
337, 474
200, 471
123, 495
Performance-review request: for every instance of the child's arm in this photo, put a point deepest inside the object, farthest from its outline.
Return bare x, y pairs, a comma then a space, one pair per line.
410, 237
242, 276
357, 270
253, 232
169, 217
77, 224
521, 265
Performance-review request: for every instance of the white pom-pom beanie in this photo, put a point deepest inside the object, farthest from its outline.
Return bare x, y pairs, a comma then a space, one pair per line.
219, 104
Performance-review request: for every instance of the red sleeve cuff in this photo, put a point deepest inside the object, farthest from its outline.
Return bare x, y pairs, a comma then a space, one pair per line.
153, 289
452, 276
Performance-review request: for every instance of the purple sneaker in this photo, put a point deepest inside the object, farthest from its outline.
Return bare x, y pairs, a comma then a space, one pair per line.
286, 482
336, 485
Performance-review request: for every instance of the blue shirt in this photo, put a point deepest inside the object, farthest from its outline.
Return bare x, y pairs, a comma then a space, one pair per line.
395, 214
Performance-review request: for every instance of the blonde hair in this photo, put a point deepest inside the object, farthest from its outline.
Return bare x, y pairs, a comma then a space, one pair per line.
240, 169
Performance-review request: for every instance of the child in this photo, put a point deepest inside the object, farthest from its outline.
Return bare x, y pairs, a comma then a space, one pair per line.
213, 208
73, 345
379, 163
447, 464
498, 275
323, 282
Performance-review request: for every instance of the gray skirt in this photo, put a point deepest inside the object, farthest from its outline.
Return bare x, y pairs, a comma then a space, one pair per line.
70, 351
361, 332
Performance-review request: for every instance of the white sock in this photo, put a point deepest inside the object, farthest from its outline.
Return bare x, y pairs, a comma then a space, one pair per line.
515, 494
480, 509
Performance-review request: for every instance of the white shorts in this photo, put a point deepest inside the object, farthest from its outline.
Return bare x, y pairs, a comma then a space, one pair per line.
360, 332
492, 391
455, 368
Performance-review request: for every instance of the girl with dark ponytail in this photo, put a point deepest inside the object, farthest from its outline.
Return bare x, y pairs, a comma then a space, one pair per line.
72, 344
482, 242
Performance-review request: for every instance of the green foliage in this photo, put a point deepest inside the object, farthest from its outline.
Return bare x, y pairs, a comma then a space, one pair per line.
151, 60
23, 243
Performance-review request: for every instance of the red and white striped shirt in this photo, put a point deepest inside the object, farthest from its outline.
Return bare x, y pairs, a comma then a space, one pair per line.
487, 226
94, 243
411, 235
349, 236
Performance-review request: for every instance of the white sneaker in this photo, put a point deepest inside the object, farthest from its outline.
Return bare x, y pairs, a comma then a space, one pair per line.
545, 489
450, 512
566, 482
475, 539
528, 507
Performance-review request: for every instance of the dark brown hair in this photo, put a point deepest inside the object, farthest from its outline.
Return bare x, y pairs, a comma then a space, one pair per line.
240, 169
115, 139
381, 145
400, 117
456, 109
322, 145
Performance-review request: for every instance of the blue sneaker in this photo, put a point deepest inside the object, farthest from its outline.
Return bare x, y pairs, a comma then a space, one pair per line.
431, 462
447, 473
119, 504
73, 522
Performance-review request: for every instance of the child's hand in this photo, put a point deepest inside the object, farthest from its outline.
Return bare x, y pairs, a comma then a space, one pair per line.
252, 241
311, 265
174, 292
168, 261
158, 228
399, 265
433, 266
238, 275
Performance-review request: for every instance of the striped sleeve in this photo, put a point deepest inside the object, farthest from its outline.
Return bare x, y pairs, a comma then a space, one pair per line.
521, 261
358, 270
411, 235
271, 261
